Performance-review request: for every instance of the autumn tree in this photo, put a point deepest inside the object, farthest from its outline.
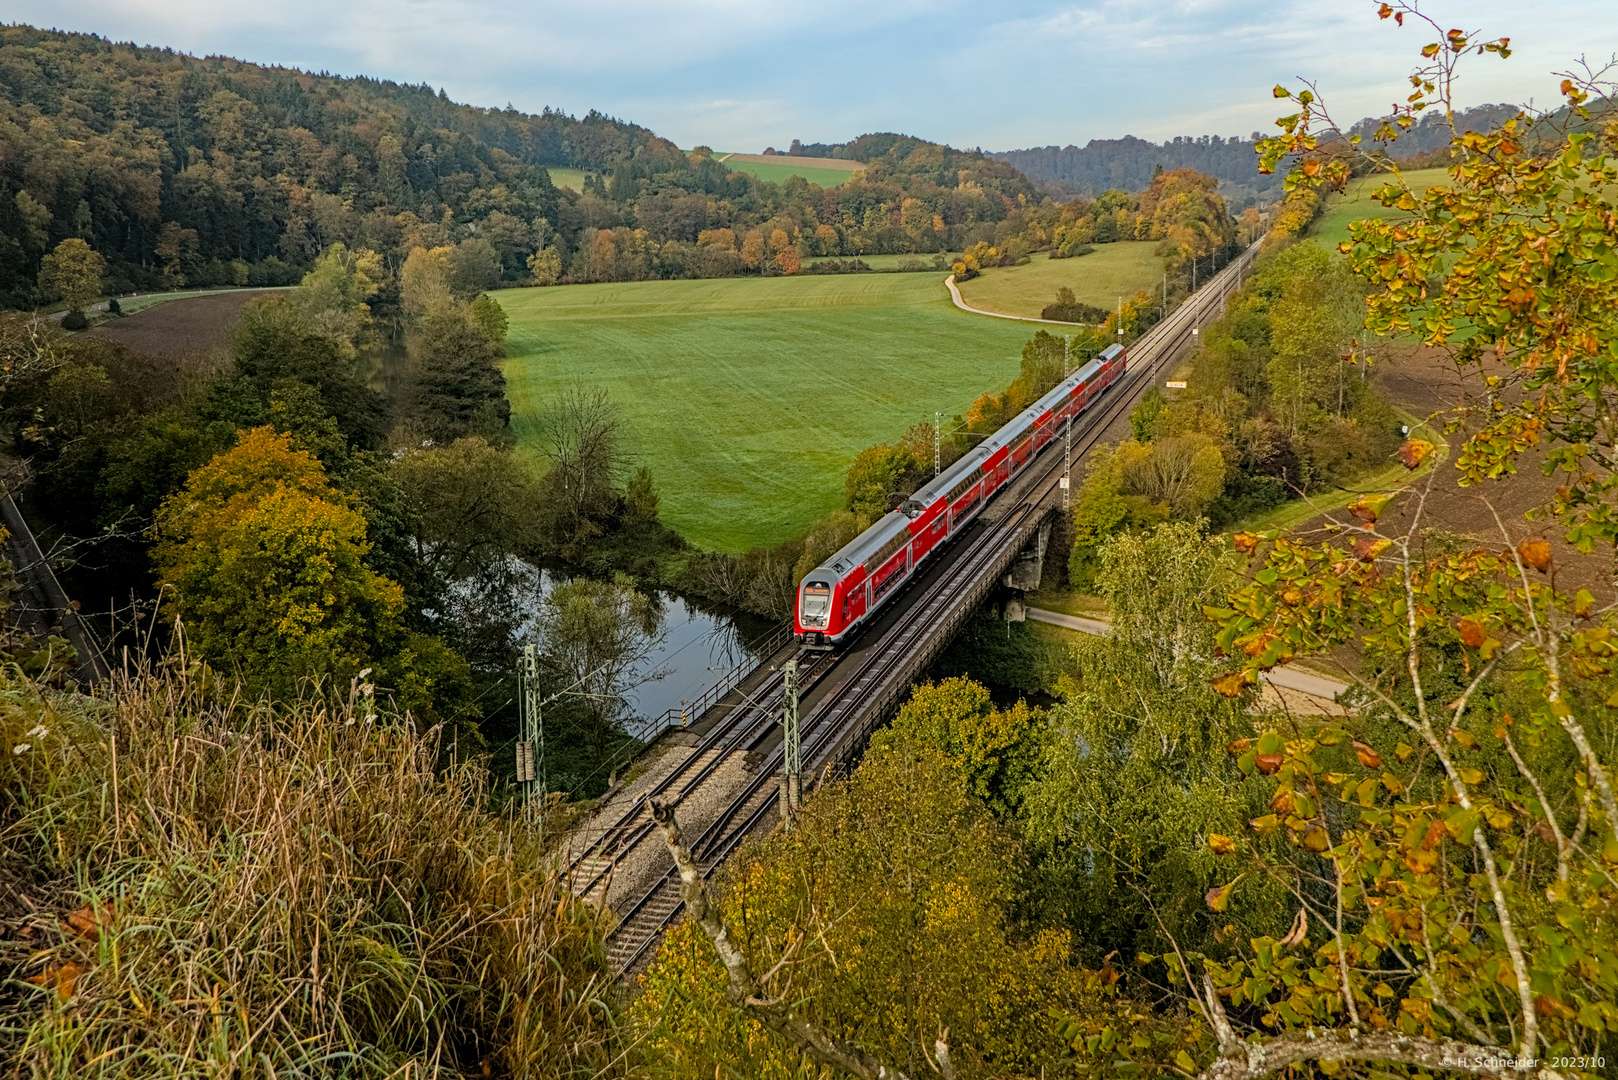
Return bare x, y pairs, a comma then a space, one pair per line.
425, 279
753, 250
334, 295
472, 506
265, 566
880, 477
594, 640
884, 916
73, 272
455, 386
581, 436
546, 266
490, 318
179, 248
996, 752
1133, 778
1450, 849
275, 344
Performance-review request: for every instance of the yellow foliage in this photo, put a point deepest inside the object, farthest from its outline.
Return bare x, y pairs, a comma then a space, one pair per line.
892, 890
262, 562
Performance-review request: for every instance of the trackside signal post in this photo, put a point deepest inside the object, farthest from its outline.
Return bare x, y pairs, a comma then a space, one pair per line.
1067, 463
791, 744
938, 427
531, 748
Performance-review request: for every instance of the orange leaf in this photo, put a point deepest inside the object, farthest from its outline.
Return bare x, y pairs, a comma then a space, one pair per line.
1230, 685
1549, 1006
1245, 542
1471, 631
1300, 929
1367, 548
88, 922
1240, 746
1420, 862
61, 977
1412, 452
1268, 763
1368, 757
1536, 553
1368, 507
1218, 897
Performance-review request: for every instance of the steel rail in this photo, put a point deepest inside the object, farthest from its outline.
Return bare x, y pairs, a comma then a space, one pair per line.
624, 835
829, 740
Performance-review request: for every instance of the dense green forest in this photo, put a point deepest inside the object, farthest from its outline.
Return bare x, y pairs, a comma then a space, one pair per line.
214, 171
1129, 163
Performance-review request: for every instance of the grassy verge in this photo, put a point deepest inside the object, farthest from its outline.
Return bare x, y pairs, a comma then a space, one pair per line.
198, 888
1098, 279
1297, 511
884, 262
1356, 204
573, 178
1064, 601
140, 303
777, 172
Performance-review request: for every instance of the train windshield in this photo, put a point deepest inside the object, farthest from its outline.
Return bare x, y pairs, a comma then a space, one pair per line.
816, 598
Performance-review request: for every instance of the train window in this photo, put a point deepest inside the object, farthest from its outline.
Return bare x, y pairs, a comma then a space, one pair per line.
886, 552
964, 486
816, 598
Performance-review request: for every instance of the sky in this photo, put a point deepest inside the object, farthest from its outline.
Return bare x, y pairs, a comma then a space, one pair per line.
740, 75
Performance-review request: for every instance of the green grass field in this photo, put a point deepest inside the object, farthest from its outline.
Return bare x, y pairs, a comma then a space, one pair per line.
777, 174
573, 178
1100, 278
748, 397
776, 169
1356, 203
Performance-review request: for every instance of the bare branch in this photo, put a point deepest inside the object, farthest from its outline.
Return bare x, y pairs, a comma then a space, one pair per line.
1250, 1061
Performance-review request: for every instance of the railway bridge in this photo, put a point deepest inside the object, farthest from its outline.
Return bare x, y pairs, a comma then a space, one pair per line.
724, 772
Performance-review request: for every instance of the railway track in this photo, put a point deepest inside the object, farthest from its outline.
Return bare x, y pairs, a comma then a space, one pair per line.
846, 695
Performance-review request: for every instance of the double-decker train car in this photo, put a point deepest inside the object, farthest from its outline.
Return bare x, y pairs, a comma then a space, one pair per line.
838, 596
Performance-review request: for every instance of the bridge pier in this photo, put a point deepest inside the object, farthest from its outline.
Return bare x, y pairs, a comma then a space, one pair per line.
1025, 572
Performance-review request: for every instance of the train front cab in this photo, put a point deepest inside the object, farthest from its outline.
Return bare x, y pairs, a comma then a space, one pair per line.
830, 602
814, 611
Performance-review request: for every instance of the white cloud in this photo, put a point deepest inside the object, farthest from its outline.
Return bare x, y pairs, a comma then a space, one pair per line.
739, 74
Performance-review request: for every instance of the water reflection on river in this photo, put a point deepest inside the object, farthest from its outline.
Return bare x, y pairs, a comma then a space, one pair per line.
697, 648
697, 645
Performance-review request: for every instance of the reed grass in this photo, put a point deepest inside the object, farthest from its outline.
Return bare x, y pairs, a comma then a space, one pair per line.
200, 887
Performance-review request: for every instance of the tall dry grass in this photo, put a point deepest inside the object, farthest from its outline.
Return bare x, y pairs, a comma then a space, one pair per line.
200, 887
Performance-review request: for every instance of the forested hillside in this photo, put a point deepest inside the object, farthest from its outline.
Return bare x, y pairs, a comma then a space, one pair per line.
214, 171
1129, 163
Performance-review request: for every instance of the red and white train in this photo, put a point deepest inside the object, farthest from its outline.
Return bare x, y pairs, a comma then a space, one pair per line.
838, 596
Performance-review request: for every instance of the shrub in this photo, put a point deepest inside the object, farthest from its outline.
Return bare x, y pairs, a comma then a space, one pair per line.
75, 320
1068, 309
